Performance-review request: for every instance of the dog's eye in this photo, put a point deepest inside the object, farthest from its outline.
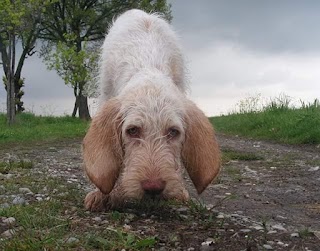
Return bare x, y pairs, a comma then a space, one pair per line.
133, 132
173, 133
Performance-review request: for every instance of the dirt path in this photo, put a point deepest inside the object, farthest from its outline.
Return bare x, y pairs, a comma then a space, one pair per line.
268, 191
284, 186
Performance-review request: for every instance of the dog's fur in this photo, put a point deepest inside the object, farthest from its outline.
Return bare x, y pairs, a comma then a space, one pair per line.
146, 132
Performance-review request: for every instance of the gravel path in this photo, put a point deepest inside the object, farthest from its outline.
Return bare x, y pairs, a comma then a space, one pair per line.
277, 195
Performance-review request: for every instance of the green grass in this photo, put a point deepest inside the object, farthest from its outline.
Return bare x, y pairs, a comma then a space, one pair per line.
48, 224
277, 121
228, 154
31, 128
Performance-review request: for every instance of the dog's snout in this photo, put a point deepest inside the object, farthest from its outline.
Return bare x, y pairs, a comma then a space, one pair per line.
153, 187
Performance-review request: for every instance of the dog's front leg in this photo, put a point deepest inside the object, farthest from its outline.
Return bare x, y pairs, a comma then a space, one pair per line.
97, 201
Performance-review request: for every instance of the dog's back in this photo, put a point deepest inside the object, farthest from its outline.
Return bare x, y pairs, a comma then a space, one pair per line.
139, 43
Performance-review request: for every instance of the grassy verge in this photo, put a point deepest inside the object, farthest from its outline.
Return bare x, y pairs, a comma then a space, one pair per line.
31, 128
276, 121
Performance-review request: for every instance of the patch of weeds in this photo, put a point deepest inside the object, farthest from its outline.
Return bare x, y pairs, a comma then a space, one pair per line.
5, 167
198, 207
313, 162
115, 239
116, 216
234, 173
305, 233
228, 154
265, 229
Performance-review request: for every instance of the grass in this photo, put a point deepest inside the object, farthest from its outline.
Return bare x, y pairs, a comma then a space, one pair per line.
30, 128
48, 224
5, 167
277, 120
228, 154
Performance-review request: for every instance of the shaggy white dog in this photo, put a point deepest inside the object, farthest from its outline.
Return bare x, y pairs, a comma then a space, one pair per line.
146, 132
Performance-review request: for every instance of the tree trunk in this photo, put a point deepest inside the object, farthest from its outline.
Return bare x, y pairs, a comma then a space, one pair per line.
11, 111
18, 84
75, 108
83, 107
76, 103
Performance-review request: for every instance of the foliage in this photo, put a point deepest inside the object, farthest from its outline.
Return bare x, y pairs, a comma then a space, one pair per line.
277, 120
72, 66
19, 25
72, 34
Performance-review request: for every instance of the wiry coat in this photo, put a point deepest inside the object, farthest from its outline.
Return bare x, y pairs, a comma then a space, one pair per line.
146, 131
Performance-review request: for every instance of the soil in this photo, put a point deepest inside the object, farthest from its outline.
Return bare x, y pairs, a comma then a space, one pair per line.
271, 201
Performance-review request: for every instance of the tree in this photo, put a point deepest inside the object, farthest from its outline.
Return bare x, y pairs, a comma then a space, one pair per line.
19, 24
70, 30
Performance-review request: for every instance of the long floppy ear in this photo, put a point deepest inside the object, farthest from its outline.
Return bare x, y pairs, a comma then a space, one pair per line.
200, 151
102, 150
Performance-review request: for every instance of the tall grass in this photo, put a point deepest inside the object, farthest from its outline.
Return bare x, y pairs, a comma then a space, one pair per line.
277, 120
30, 128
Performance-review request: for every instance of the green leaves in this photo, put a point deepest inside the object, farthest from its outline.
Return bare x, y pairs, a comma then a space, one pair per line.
74, 66
71, 29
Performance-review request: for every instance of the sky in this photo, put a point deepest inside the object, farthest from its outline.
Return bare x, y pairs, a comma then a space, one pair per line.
234, 49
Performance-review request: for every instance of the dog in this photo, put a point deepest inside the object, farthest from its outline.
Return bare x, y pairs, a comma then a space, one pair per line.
146, 131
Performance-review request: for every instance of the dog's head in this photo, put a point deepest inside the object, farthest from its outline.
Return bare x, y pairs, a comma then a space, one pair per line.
144, 140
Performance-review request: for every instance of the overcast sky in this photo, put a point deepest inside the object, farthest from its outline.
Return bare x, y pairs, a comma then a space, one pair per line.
234, 49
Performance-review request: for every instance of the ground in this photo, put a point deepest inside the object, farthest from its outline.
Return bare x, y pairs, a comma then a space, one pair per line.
267, 197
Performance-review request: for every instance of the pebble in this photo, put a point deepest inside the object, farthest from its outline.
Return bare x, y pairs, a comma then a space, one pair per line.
273, 167
314, 169
9, 220
267, 246
317, 234
126, 227
8, 176
281, 217
9, 233
258, 228
72, 240
295, 235
190, 249
183, 210
18, 201
245, 230
279, 227
97, 219
183, 216
25, 190
2, 187
272, 232
220, 216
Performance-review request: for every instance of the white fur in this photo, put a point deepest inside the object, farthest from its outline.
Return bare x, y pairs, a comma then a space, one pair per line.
140, 48
143, 85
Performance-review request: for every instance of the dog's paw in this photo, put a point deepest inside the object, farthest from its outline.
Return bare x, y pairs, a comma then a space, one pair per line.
96, 201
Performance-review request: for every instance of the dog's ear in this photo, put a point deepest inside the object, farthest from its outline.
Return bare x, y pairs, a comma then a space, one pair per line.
102, 150
200, 151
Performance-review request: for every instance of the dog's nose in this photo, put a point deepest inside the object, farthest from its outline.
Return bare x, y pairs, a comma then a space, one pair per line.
153, 187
